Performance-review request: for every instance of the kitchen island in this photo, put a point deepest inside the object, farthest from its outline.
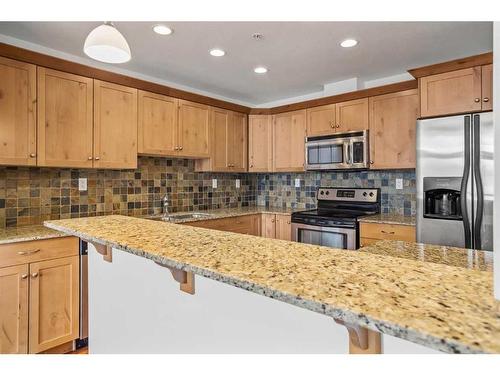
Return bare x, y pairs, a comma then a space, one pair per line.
137, 306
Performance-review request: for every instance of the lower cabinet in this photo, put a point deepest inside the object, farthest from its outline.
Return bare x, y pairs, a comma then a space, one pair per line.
373, 232
247, 224
277, 226
39, 295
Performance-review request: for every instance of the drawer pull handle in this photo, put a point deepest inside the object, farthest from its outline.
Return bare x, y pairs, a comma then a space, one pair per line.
34, 275
29, 252
385, 232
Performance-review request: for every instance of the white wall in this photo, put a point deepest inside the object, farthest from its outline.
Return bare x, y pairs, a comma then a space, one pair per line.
496, 119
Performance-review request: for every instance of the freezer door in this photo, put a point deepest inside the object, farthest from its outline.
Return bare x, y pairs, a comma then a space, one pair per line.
483, 170
441, 152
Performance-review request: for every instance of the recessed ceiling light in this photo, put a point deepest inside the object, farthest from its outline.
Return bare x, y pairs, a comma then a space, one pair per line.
217, 52
162, 30
260, 70
349, 43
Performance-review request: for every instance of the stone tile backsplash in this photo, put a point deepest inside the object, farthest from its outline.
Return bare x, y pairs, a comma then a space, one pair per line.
279, 189
30, 195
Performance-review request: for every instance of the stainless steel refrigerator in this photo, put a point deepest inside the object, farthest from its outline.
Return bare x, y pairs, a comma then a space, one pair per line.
455, 181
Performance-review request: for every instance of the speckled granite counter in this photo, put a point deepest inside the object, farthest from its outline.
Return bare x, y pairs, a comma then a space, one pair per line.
448, 255
27, 233
443, 307
388, 219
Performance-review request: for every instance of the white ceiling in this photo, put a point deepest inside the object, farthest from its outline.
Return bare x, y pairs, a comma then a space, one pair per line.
301, 56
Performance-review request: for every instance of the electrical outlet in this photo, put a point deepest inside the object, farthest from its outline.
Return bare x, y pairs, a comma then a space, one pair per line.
238, 183
82, 184
214, 183
399, 184
297, 182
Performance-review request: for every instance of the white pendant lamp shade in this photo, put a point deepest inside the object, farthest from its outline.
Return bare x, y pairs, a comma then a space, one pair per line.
105, 43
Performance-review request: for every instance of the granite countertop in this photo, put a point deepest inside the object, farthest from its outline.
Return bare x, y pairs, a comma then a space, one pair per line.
448, 255
388, 219
27, 233
447, 308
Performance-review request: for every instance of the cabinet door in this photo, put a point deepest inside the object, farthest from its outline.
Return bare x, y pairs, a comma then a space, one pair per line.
487, 87
194, 130
393, 120
221, 142
54, 299
289, 130
268, 225
115, 126
14, 309
237, 142
65, 109
283, 227
260, 143
17, 113
452, 92
352, 115
157, 124
321, 120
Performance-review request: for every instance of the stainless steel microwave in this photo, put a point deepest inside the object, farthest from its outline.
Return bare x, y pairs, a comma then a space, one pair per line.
338, 151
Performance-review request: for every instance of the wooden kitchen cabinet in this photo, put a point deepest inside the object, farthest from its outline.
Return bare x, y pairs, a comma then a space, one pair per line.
260, 143
487, 87
115, 126
268, 226
237, 142
321, 120
372, 232
17, 112
194, 130
246, 224
65, 122
283, 227
157, 124
452, 92
393, 120
14, 309
352, 115
289, 131
53, 303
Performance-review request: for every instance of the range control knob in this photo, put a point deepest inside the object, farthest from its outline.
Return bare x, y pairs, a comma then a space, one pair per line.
371, 194
322, 192
327, 192
364, 194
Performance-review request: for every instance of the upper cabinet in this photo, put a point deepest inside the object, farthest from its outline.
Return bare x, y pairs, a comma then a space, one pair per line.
393, 120
352, 115
452, 92
194, 130
321, 120
157, 124
260, 143
289, 131
65, 124
17, 113
115, 126
487, 87
228, 135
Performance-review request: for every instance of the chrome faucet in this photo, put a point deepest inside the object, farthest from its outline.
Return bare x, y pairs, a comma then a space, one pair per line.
165, 201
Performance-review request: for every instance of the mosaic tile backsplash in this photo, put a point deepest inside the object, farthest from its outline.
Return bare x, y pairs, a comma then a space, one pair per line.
30, 195
278, 190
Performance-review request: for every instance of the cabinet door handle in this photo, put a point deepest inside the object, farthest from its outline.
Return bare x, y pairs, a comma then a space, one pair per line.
486, 100
477, 100
251, 165
288, 222
34, 275
272, 220
90, 158
97, 158
338, 126
180, 147
24, 276
371, 161
28, 252
385, 232
32, 155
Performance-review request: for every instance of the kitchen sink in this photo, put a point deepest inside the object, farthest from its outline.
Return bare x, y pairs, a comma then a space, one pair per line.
178, 217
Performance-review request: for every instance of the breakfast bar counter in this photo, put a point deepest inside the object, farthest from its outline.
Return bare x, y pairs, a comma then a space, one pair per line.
439, 306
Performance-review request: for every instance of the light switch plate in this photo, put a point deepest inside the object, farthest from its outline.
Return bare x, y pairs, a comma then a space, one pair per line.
238, 183
82, 184
214, 183
297, 182
399, 184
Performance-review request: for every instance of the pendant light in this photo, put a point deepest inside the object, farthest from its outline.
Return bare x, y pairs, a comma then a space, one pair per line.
105, 43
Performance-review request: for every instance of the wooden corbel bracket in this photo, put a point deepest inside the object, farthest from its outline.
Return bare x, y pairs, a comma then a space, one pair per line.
362, 340
184, 278
105, 250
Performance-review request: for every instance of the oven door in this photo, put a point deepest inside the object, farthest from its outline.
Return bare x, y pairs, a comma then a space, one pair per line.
339, 238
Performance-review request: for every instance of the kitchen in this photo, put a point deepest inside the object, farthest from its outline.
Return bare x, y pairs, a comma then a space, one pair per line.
254, 229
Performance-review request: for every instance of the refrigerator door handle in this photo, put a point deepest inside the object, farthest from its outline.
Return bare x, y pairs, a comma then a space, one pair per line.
478, 183
465, 181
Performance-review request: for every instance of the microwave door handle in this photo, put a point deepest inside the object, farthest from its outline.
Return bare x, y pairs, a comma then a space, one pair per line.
346, 153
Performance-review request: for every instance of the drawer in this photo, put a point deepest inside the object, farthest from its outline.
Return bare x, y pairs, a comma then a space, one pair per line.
388, 232
35, 251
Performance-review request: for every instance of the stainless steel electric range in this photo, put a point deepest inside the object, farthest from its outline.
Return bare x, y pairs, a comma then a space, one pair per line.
335, 221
